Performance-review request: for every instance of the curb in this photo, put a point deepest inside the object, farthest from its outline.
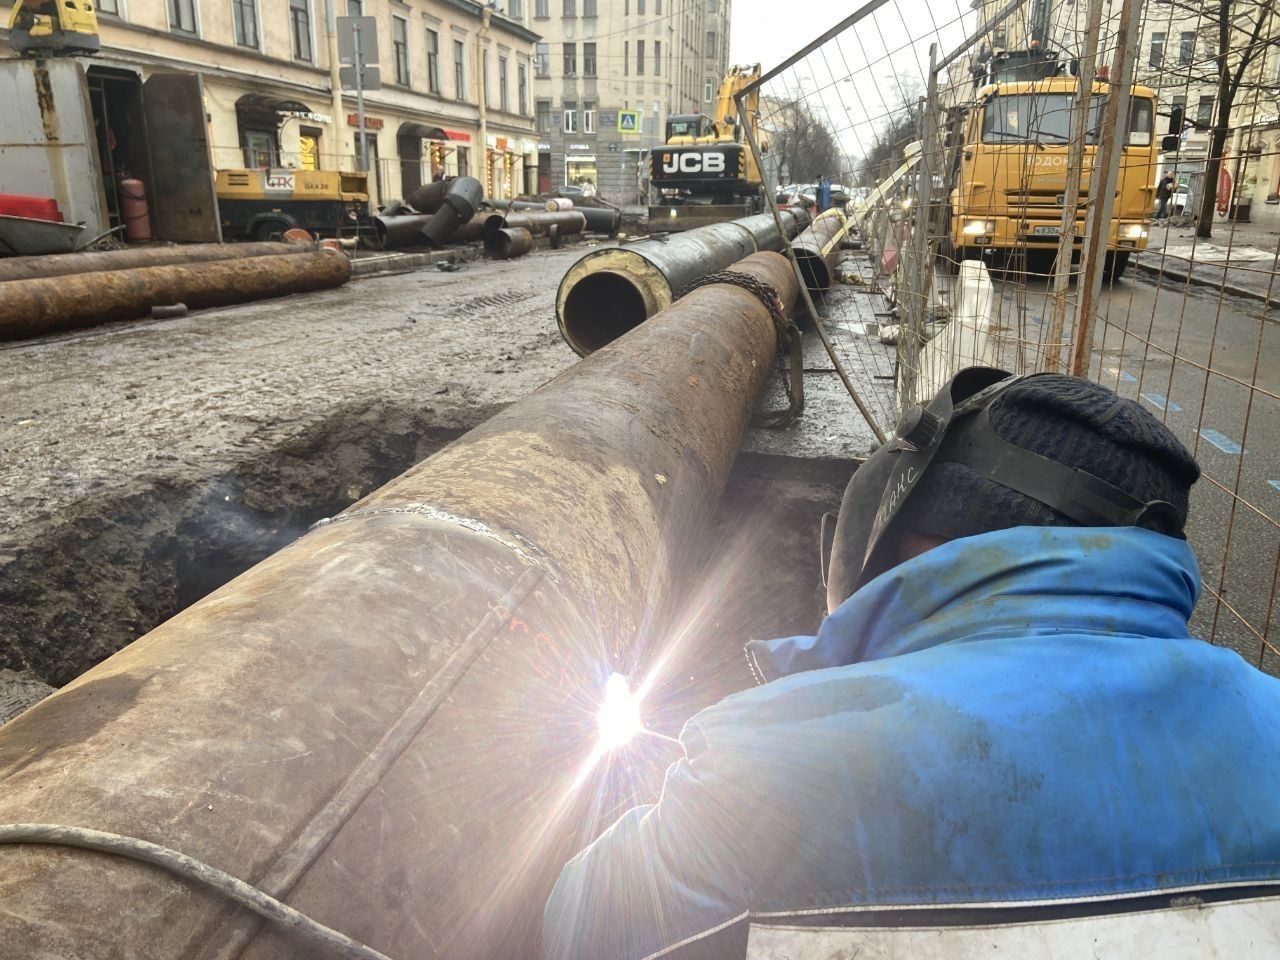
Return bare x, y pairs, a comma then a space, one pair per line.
1189, 276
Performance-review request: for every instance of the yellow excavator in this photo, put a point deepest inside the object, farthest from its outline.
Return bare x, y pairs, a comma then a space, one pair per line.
41, 28
706, 172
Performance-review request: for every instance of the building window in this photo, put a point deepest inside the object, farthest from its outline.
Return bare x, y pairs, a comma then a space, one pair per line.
570, 8
542, 110
1156, 57
570, 59
514, 10
110, 6
542, 60
522, 89
459, 69
711, 44
640, 8
657, 58
639, 58
464, 161
708, 89
657, 6
433, 61
244, 16
542, 9
503, 104
571, 116
1204, 111
355, 8
299, 28
588, 116
626, 58
1186, 48
588, 59
400, 48
711, 6
182, 16
588, 8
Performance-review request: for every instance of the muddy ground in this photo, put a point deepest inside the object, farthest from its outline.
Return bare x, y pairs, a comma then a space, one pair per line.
144, 464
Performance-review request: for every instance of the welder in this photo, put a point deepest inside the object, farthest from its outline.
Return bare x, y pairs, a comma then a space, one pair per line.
1003, 721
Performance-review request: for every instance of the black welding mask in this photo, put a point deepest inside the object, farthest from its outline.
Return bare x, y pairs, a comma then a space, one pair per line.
955, 427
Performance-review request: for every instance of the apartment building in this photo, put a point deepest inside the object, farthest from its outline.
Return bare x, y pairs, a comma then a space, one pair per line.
607, 75
456, 94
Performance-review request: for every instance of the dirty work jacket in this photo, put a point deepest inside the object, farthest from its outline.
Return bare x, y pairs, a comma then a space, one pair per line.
1019, 716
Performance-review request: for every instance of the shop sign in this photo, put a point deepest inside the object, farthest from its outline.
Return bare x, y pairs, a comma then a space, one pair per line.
543, 147
461, 135
579, 146
501, 143
306, 115
370, 123
527, 146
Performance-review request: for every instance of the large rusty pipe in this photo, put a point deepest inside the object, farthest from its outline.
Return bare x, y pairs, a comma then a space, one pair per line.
29, 308
383, 724
610, 291
566, 221
507, 243
817, 248
66, 264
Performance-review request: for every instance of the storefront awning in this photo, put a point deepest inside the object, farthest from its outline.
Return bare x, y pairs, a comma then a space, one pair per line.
422, 131
262, 110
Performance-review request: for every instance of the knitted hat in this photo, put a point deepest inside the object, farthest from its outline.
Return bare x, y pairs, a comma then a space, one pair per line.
1067, 419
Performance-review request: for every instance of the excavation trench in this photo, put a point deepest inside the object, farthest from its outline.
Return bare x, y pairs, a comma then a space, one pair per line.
76, 587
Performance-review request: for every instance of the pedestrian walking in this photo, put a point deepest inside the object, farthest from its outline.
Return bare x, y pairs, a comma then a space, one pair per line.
1164, 191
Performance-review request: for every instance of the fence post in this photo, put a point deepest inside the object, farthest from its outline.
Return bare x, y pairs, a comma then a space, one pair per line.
921, 265
1115, 127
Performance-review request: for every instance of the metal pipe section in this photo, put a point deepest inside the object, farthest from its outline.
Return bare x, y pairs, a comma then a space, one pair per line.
559, 203
460, 202
817, 248
507, 243
67, 264
606, 220
611, 291
29, 308
388, 724
567, 221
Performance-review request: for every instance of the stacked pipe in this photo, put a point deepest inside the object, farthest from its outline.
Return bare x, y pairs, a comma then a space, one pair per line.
817, 248
387, 724
443, 206
44, 304
566, 222
65, 264
610, 291
507, 243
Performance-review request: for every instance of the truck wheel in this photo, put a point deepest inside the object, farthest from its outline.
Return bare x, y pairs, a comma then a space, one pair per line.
1114, 266
270, 230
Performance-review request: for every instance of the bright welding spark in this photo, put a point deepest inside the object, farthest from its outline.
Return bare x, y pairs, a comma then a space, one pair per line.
619, 717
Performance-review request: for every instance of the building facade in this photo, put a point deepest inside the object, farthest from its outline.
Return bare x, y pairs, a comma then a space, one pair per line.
456, 85
607, 75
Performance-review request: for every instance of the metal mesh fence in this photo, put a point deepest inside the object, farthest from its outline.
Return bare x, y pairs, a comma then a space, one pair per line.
1085, 187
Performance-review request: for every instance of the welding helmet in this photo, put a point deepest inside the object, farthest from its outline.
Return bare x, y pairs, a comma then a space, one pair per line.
955, 427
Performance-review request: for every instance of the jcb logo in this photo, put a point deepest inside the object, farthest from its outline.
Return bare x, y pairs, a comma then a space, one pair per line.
693, 163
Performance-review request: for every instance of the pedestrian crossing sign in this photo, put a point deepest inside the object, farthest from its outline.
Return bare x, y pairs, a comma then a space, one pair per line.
629, 121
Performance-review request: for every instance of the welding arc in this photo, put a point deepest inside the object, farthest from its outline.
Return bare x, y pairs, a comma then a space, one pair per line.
284, 916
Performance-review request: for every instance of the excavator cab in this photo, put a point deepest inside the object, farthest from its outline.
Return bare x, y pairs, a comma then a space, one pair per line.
44, 27
690, 128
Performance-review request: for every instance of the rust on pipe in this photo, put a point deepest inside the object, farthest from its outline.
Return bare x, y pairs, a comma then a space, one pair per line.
507, 243
818, 246
66, 264
29, 308
566, 221
387, 723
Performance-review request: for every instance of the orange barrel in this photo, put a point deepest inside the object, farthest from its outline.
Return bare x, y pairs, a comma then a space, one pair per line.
133, 210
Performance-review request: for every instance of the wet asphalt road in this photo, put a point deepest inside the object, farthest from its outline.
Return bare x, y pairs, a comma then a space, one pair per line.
1189, 355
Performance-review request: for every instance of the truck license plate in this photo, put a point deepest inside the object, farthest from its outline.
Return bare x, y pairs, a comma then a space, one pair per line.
1047, 231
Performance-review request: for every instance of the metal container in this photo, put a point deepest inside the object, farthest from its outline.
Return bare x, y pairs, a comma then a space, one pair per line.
29, 308
388, 723
610, 291
507, 243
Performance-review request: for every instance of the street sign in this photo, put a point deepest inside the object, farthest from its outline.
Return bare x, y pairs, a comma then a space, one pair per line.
629, 122
372, 78
368, 27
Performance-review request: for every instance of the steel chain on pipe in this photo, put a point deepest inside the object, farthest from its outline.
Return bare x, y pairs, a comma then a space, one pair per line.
788, 338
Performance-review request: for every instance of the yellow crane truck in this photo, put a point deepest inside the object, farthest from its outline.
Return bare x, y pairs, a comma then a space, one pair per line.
705, 172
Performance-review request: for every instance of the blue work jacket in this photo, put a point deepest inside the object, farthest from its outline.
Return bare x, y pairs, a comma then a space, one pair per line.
1010, 718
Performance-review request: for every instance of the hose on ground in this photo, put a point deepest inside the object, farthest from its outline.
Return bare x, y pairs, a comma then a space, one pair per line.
283, 916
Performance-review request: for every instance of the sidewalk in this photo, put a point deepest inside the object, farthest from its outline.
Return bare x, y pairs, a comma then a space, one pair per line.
1240, 258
